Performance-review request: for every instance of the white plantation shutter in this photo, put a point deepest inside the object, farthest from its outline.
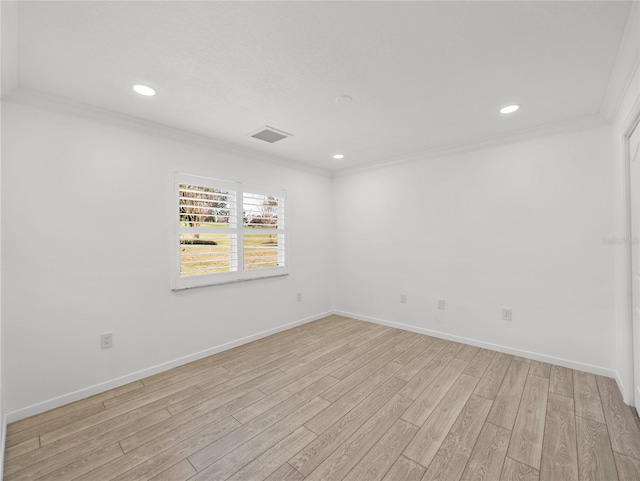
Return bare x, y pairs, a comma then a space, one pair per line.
208, 229
227, 232
264, 233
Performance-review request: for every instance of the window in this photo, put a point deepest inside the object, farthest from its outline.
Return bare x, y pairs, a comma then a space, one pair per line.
227, 232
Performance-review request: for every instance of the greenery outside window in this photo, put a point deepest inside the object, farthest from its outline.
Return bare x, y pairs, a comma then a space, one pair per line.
227, 232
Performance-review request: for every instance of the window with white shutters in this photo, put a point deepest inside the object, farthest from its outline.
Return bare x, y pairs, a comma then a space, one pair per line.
227, 232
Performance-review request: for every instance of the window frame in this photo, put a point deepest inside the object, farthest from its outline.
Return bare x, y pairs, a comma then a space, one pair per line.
241, 274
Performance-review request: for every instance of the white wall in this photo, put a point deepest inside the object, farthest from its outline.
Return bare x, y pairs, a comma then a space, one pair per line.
86, 250
519, 225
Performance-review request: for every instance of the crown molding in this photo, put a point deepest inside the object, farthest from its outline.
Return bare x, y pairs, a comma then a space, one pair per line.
33, 98
565, 126
626, 66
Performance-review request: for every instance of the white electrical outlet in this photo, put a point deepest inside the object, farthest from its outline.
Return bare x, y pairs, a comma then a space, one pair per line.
441, 304
106, 340
506, 313
403, 298
299, 297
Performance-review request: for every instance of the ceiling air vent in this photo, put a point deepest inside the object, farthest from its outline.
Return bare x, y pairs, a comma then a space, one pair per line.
271, 135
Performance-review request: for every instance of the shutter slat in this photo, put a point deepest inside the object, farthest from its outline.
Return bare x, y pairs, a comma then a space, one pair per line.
218, 210
225, 262
277, 264
211, 270
202, 190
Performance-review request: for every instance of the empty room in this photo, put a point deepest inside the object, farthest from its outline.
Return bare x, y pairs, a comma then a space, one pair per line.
321, 241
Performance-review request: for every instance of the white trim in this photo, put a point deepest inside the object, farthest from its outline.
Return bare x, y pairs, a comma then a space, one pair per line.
621, 386
626, 64
602, 371
626, 129
32, 98
632, 120
194, 282
114, 383
624, 265
135, 376
571, 125
610, 113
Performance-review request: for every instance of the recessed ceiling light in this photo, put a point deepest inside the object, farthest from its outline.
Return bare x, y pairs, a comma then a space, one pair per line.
144, 90
338, 156
509, 109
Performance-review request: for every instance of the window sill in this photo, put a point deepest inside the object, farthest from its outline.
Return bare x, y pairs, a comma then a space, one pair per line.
184, 283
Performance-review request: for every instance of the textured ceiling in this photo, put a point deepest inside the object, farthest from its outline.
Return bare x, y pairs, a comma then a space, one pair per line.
422, 74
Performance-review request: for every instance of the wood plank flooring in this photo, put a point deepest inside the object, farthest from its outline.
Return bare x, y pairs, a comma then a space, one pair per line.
340, 399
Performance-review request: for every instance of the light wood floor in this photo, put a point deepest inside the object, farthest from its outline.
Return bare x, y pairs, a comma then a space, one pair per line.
339, 399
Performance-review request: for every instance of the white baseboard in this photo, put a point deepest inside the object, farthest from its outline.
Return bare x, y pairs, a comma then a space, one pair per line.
120, 381
620, 384
135, 376
494, 347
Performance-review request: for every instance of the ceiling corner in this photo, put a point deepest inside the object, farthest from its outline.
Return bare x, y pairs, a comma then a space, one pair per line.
9, 33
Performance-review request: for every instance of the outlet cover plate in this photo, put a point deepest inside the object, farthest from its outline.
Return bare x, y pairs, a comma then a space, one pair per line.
106, 340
